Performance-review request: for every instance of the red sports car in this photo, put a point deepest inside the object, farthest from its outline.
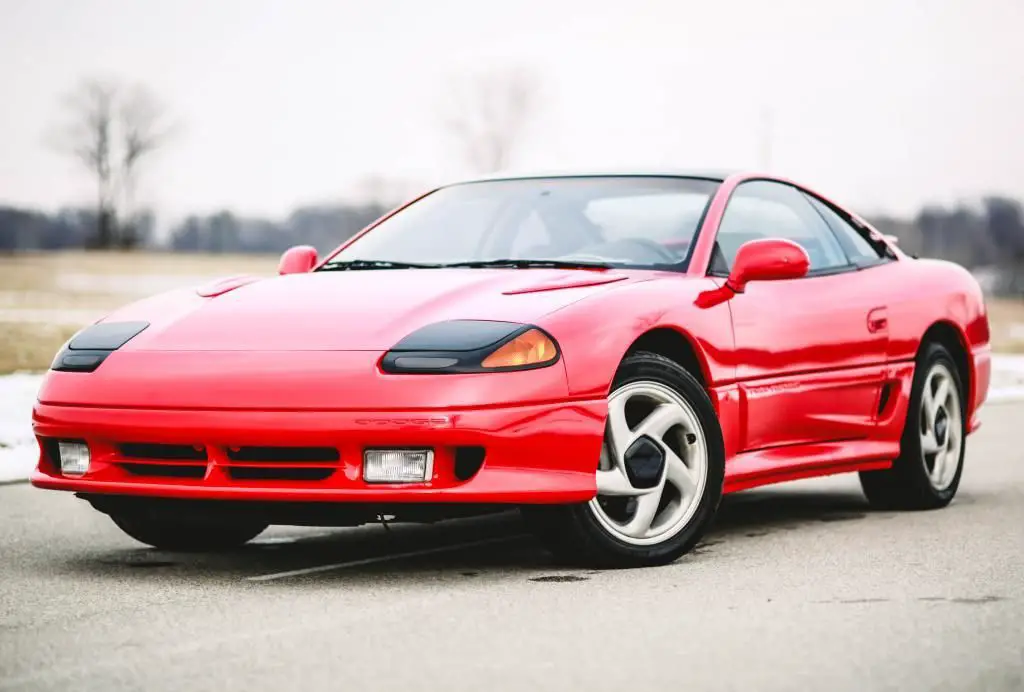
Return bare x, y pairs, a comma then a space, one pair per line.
608, 353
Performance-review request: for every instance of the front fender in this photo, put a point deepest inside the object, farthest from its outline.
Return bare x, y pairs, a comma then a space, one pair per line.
595, 333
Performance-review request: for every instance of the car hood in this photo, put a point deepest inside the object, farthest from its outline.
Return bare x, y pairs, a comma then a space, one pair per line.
353, 310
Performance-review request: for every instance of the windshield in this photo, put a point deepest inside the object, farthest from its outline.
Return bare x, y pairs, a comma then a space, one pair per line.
646, 222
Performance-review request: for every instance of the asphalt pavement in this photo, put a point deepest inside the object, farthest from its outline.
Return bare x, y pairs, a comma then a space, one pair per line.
799, 587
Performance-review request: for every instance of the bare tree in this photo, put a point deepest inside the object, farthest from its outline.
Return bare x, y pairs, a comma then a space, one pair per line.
143, 129
110, 130
88, 136
487, 115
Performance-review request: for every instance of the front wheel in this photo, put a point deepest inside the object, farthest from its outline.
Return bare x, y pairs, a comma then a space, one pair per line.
659, 479
182, 534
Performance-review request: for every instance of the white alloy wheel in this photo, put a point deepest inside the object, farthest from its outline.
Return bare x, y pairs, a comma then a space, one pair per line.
650, 412
940, 426
926, 474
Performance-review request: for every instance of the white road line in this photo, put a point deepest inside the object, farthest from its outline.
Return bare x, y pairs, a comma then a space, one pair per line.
383, 558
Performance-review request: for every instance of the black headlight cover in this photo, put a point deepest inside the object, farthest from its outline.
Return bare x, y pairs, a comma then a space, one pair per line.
91, 346
457, 346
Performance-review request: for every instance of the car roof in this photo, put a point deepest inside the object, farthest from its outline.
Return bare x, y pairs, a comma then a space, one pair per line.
705, 174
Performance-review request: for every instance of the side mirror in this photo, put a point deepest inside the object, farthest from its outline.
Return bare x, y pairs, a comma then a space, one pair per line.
768, 259
297, 260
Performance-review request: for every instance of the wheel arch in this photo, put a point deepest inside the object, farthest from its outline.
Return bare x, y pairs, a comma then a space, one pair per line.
677, 346
953, 339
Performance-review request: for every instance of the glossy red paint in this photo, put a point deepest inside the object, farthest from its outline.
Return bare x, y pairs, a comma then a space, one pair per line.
298, 260
810, 375
222, 286
535, 453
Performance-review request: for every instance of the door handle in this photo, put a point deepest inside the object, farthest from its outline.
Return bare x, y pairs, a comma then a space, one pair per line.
878, 320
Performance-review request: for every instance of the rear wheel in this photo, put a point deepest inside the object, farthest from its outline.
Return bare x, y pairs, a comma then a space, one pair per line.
927, 473
659, 479
175, 533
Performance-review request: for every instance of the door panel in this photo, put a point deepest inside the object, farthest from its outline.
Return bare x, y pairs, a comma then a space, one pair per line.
810, 352
810, 366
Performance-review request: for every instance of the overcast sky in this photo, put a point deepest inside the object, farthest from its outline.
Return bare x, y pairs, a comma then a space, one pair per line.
884, 104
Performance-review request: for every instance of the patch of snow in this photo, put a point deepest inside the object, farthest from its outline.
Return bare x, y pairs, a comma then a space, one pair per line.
1008, 364
1007, 378
18, 449
1000, 395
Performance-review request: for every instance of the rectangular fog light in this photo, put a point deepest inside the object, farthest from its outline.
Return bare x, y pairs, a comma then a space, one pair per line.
74, 458
398, 465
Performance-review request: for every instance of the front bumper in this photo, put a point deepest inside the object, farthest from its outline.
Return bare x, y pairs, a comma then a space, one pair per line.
533, 454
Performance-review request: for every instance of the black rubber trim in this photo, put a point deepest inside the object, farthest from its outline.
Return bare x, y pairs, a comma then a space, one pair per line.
459, 335
90, 347
78, 361
472, 341
107, 336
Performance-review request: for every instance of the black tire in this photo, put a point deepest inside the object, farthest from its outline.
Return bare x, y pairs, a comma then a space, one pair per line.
190, 535
573, 533
906, 485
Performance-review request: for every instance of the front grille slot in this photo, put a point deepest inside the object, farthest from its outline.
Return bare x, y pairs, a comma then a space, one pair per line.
150, 460
165, 470
159, 460
281, 463
151, 450
284, 455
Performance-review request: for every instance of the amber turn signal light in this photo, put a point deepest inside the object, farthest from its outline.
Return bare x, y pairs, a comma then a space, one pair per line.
532, 347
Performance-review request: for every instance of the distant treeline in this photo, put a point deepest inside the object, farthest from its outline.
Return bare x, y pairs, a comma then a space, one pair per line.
324, 227
985, 235
988, 234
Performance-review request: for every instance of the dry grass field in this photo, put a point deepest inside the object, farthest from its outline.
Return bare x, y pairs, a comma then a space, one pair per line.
1006, 318
47, 297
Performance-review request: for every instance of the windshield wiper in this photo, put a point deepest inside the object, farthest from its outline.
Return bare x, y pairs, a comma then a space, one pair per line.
530, 264
343, 265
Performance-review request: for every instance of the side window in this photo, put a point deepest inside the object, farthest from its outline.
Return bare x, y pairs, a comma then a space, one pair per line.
763, 209
856, 245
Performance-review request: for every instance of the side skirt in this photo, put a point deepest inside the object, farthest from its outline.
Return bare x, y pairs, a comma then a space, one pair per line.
781, 464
